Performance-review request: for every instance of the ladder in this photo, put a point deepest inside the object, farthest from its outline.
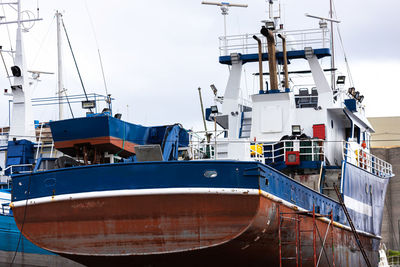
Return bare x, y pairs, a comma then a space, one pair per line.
296, 218
284, 216
245, 125
353, 229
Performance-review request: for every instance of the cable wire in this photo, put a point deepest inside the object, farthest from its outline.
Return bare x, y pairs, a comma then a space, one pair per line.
5, 67
23, 220
8, 30
76, 64
98, 49
43, 40
343, 50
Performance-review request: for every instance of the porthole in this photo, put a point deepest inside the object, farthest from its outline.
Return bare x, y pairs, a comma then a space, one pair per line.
210, 174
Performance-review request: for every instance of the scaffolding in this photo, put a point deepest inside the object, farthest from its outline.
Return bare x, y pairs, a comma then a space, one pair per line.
294, 220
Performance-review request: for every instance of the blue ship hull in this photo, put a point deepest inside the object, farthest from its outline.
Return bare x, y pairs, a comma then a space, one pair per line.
86, 212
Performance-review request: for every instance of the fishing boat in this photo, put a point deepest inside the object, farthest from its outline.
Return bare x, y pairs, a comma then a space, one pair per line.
286, 179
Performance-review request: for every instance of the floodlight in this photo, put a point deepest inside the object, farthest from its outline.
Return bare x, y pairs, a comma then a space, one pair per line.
214, 109
323, 24
269, 24
352, 91
88, 104
16, 71
296, 129
341, 80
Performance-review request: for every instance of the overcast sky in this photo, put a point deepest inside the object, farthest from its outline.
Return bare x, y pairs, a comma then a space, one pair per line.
157, 53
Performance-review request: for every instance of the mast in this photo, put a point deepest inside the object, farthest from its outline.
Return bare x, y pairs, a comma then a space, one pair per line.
60, 84
332, 46
21, 125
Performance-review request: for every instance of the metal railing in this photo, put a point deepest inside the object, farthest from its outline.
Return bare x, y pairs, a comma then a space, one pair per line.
309, 149
295, 40
12, 167
355, 154
266, 152
394, 261
42, 144
203, 147
3, 131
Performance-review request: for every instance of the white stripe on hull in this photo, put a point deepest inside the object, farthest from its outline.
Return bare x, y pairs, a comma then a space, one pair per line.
358, 206
137, 192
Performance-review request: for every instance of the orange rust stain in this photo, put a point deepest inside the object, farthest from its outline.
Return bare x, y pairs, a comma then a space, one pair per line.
128, 146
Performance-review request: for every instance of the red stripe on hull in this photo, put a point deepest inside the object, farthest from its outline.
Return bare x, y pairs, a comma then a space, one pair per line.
172, 229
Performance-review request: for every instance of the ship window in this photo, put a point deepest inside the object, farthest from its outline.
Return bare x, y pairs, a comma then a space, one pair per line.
357, 133
332, 124
210, 174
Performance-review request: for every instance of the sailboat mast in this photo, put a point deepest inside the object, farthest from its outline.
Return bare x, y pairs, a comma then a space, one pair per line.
60, 84
332, 46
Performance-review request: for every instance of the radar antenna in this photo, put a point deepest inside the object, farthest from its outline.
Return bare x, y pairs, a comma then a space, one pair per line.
224, 9
323, 21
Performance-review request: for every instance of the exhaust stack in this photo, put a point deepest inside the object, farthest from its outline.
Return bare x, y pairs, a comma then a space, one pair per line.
285, 67
260, 67
271, 57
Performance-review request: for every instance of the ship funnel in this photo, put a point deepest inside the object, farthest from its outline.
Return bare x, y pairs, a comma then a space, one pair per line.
260, 67
271, 57
285, 65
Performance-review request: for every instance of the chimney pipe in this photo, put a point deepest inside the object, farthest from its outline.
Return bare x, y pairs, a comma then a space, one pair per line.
285, 67
260, 68
271, 57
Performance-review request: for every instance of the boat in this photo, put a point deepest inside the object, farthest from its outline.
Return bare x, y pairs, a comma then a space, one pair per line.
286, 180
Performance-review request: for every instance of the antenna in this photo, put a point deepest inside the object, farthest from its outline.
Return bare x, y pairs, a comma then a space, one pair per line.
274, 15
322, 18
225, 9
331, 20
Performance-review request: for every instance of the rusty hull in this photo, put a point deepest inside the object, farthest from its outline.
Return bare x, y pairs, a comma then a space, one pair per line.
181, 230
